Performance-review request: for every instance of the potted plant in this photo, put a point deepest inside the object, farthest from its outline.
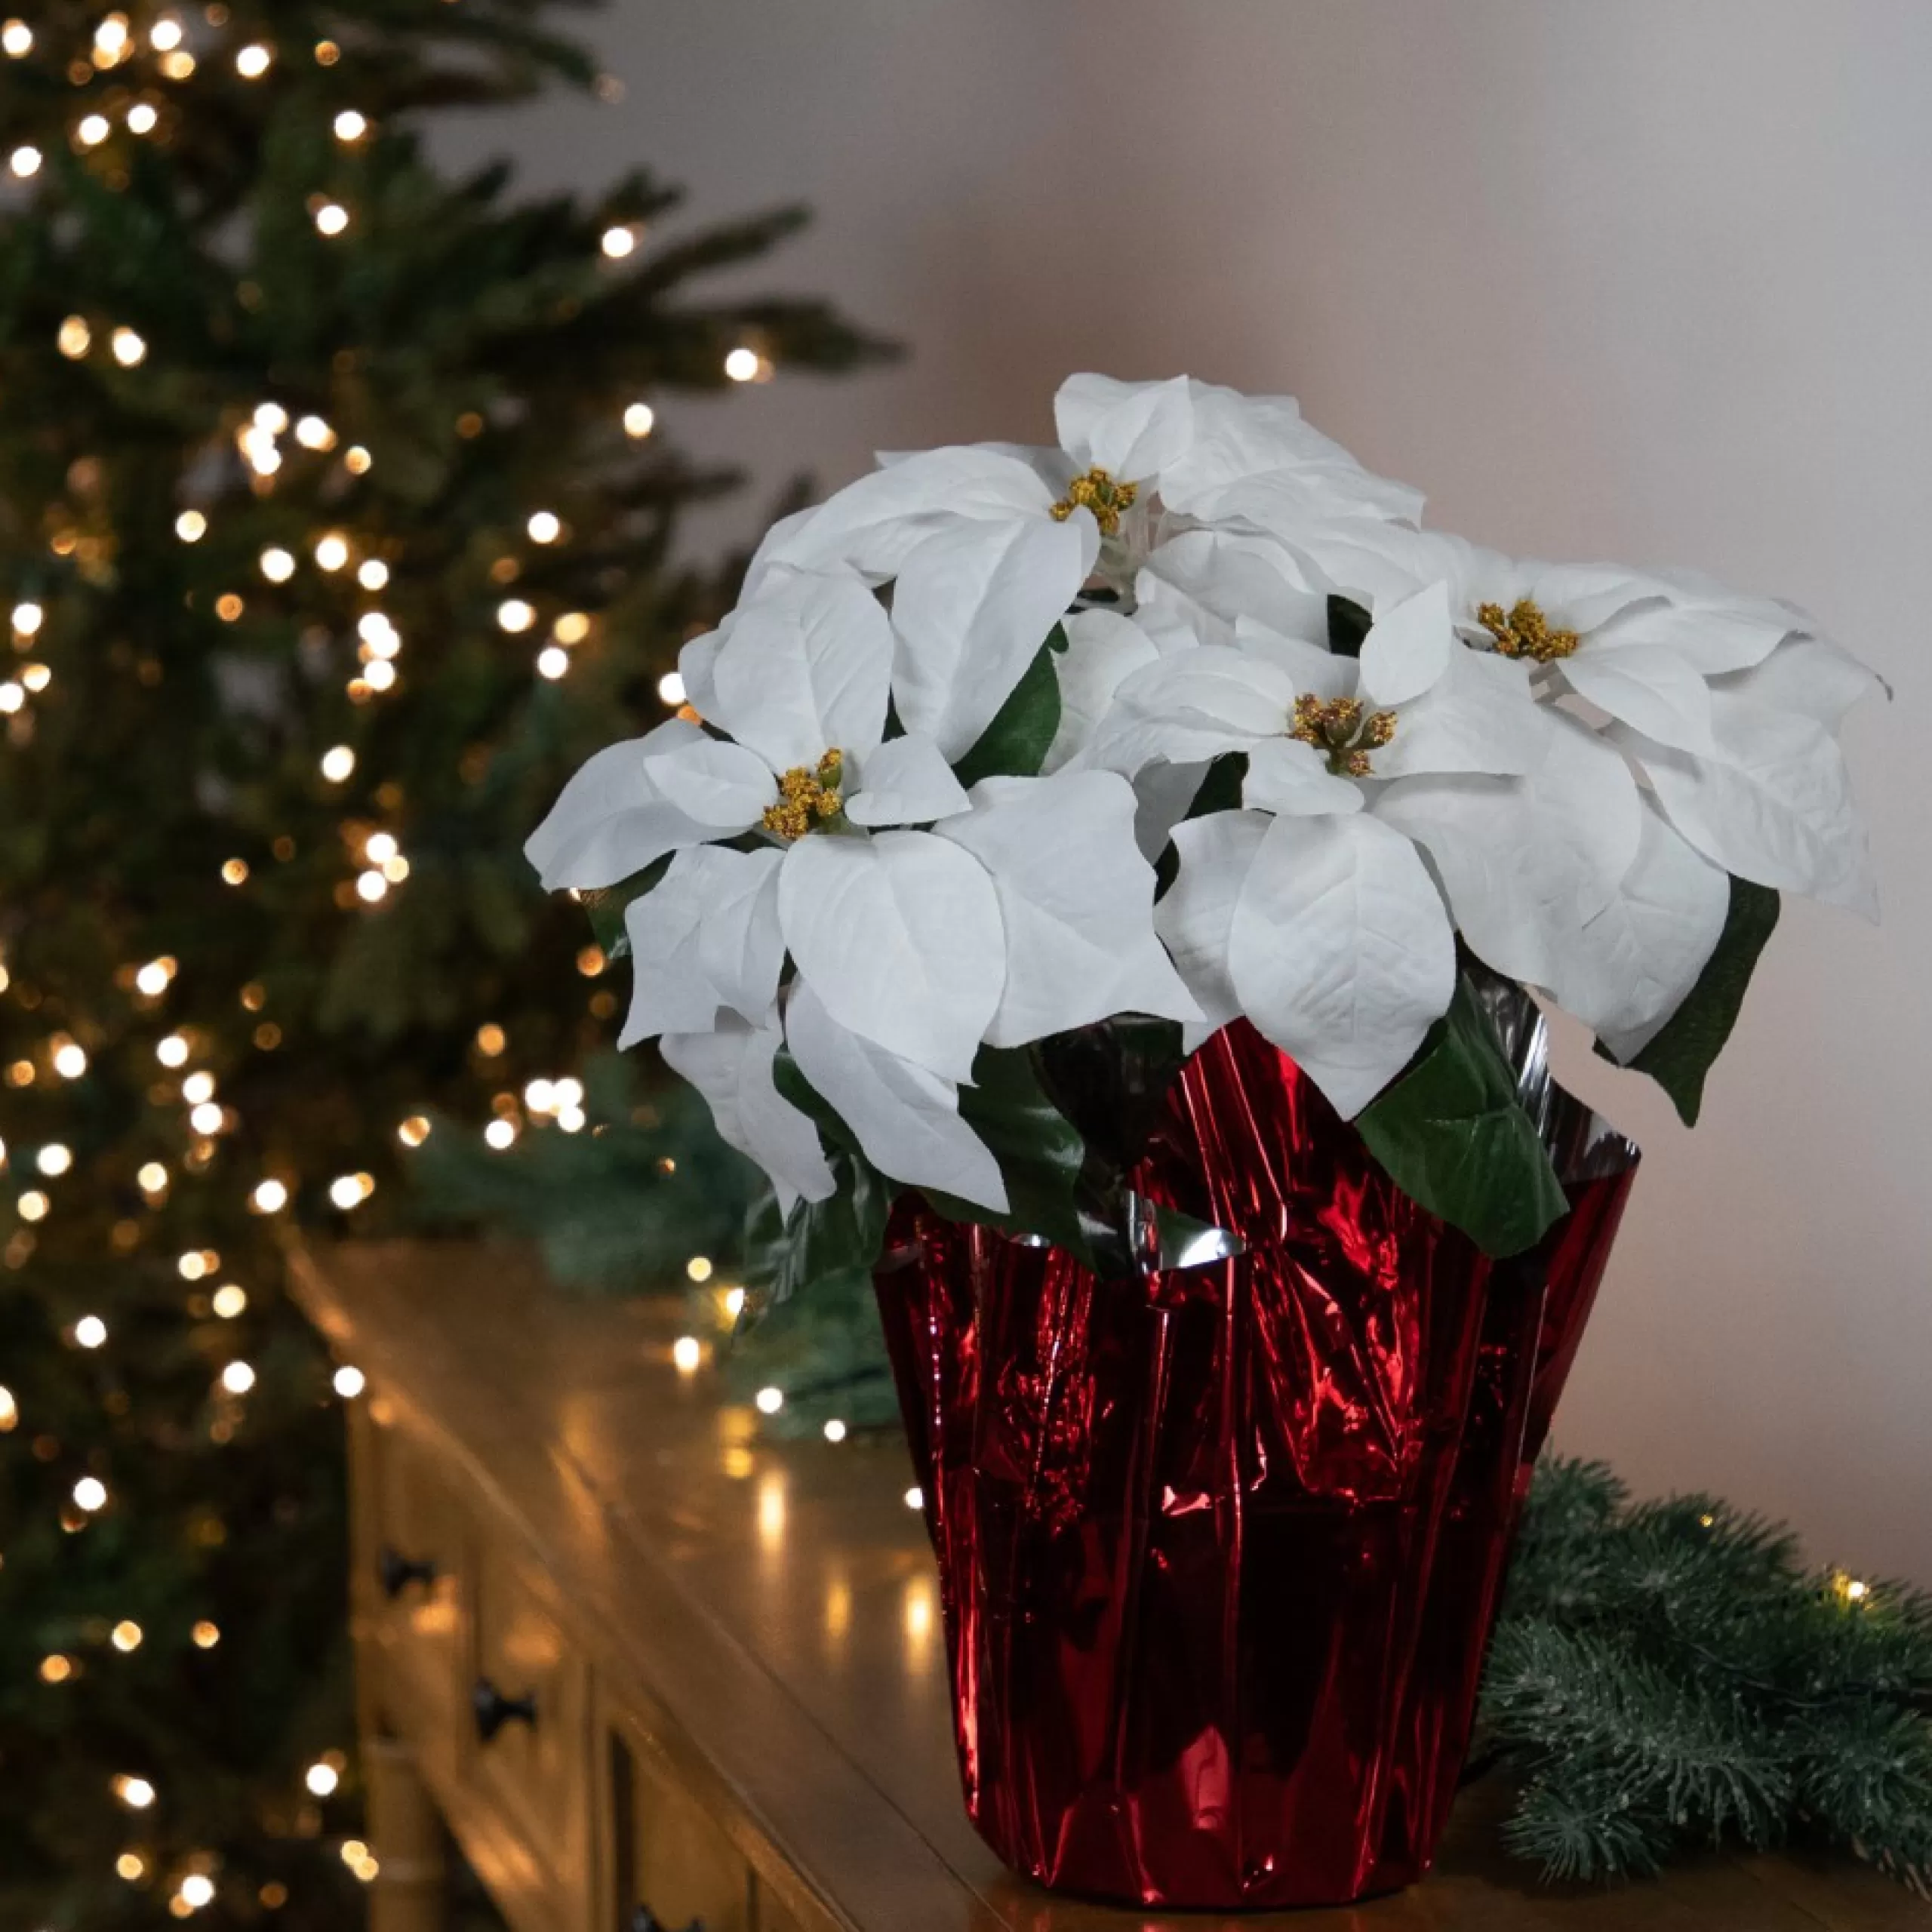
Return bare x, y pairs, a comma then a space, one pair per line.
1113, 891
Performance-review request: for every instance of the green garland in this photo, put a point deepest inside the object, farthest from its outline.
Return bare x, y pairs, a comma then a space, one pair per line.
1669, 1674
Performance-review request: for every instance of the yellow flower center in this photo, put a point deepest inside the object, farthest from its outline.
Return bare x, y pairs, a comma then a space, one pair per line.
1098, 492
1523, 631
1336, 727
807, 797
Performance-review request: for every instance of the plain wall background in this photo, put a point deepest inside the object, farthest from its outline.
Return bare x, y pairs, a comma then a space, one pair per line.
1651, 281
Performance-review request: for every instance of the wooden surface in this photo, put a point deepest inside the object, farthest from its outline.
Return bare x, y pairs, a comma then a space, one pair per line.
765, 1619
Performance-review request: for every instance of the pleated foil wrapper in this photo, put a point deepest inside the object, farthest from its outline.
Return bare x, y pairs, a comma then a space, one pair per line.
1220, 1545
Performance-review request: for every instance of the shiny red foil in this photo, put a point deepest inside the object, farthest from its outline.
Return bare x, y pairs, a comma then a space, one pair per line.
1221, 1548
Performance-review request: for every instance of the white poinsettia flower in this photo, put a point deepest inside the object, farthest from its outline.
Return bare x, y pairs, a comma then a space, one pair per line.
1309, 910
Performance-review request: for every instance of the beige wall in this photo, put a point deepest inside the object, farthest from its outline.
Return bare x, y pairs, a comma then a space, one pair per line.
1650, 279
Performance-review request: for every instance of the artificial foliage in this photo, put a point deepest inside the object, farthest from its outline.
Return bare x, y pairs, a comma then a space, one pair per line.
338, 497
1669, 1675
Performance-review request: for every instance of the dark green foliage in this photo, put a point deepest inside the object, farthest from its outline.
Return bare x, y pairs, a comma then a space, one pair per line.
1680, 1056
825, 1351
1669, 1674
1016, 743
1452, 1135
483, 351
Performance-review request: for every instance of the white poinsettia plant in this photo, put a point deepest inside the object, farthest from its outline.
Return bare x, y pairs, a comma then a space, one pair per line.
1184, 721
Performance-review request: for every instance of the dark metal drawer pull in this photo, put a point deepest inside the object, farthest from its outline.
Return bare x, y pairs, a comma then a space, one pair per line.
494, 1710
396, 1572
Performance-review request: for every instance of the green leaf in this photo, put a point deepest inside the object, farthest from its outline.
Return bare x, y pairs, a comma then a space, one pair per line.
1451, 1134
1040, 1152
1680, 1056
819, 1239
1015, 744
1348, 626
607, 906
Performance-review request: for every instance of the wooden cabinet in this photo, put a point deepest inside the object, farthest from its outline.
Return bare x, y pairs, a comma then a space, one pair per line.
653, 1673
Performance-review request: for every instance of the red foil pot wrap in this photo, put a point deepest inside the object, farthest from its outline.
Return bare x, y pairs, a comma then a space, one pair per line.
1220, 1547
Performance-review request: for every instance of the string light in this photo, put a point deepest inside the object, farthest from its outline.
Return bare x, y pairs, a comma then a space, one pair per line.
110, 40
56, 1669
130, 1865
90, 1332
313, 433
734, 1302
770, 1401
135, 1793
745, 365
36, 677
834, 1431
552, 661
338, 761
687, 1353
373, 574
348, 1190
277, 565
671, 689
91, 1494
253, 61
126, 1636
573, 627
198, 1086
322, 1780
916, 1497
350, 126
27, 620
331, 551
54, 1160
414, 1131
618, 242
270, 1197
172, 1051
25, 162
270, 418
10, 1412
70, 1060
164, 36
491, 1039
205, 1635
699, 1268
12, 695
348, 1382
501, 1134
153, 978
197, 1889
640, 419
370, 887
544, 528
74, 338
331, 218
17, 39
191, 526
130, 351
177, 64
229, 1300
93, 130
357, 461
207, 1119
33, 1205
142, 118
238, 1378
514, 615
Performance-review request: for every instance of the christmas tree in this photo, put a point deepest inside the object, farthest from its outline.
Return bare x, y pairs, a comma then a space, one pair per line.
336, 526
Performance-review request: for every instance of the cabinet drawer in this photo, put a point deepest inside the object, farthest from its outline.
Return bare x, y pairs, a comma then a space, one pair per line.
533, 1767
671, 1855
420, 1597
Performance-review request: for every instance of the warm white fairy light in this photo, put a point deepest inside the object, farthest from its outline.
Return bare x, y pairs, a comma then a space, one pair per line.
91, 1494
380, 846
229, 1300
89, 1332
381, 675
331, 551
94, 128
745, 365
373, 573
207, 1119
54, 1160
414, 1131
501, 1134
36, 677
640, 419
687, 1353
834, 1431
270, 417
348, 1190
142, 118
348, 1382
313, 433
514, 615
152, 979
371, 887
197, 1088
278, 564
671, 689
12, 695
25, 161
253, 61
33, 1205
178, 64
734, 1302
137, 1794
350, 126
238, 1378
770, 1401
74, 338
28, 619
110, 38
270, 1197
618, 241
573, 627
130, 351
545, 526
357, 460
126, 1636
552, 661
322, 1780
70, 1060
376, 631
152, 1178
164, 36
191, 526
257, 445
337, 762
171, 1050
331, 218
17, 39
197, 1889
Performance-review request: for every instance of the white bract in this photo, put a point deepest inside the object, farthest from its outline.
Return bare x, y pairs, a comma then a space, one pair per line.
1560, 767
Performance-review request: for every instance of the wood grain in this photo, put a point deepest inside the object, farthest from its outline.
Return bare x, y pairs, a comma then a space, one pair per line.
761, 1624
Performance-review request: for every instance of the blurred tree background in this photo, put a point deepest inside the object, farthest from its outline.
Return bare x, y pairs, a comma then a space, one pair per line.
337, 511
